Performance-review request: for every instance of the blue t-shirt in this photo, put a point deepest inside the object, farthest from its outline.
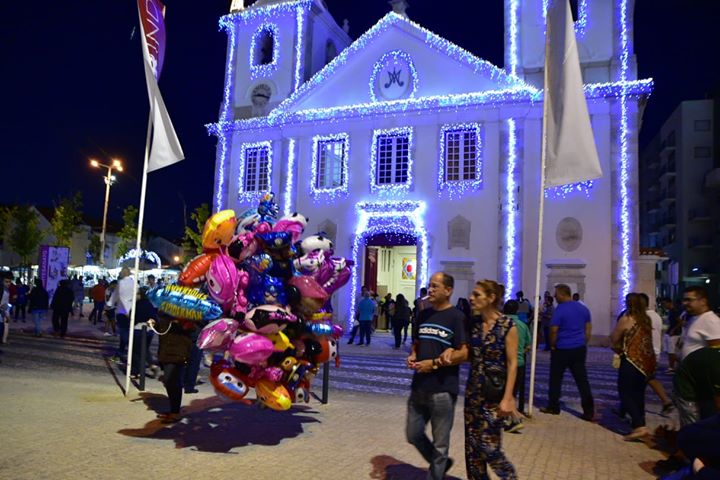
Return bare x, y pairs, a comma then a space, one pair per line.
366, 309
571, 318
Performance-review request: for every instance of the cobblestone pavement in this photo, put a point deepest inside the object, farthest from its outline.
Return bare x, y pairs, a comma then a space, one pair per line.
64, 416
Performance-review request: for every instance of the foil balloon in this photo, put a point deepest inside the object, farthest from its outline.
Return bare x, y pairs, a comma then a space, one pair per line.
319, 241
329, 351
229, 382
242, 246
195, 271
259, 263
309, 264
223, 280
280, 341
247, 221
297, 375
267, 319
219, 229
293, 224
267, 208
277, 244
333, 273
250, 348
273, 395
288, 363
319, 328
184, 303
217, 335
313, 296
274, 374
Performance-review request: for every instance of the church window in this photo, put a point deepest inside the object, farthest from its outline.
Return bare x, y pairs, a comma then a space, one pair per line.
393, 158
256, 164
461, 155
264, 51
330, 155
264, 47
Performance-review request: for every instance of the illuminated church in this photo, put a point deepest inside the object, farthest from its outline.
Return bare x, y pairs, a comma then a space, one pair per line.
414, 155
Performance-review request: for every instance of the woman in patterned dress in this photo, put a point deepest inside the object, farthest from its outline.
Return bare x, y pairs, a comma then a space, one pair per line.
493, 353
632, 339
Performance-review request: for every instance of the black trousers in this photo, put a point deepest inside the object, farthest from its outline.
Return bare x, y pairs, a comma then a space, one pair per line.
59, 321
574, 359
173, 374
397, 328
631, 387
20, 310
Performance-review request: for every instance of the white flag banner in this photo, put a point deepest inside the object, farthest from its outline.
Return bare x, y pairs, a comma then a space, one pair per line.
571, 155
166, 148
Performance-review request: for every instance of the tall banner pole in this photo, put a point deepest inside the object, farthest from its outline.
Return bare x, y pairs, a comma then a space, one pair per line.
538, 266
136, 271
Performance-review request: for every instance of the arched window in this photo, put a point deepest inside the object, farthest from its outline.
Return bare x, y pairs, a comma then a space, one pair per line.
330, 51
264, 46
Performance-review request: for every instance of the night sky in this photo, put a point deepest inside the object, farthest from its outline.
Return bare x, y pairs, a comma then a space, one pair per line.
73, 88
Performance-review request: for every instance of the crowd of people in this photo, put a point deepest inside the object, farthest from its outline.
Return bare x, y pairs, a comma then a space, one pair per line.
495, 336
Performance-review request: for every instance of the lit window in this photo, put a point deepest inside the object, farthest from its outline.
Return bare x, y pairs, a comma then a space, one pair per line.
393, 159
460, 167
330, 155
255, 168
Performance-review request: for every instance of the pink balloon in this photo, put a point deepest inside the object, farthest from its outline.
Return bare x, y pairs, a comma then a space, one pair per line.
217, 335
250, 348
222, 280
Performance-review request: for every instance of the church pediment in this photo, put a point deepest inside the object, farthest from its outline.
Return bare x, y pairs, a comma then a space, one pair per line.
395, 60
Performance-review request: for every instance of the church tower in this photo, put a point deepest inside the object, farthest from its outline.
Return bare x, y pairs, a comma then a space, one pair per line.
603, 29
273, 48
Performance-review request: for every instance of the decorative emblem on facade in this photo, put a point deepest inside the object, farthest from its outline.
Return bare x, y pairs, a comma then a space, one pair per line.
394, 77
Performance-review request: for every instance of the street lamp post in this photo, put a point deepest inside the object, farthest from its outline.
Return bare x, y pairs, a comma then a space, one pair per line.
109, 178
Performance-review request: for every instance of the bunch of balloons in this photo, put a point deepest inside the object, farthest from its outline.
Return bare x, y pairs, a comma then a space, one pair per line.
265, 293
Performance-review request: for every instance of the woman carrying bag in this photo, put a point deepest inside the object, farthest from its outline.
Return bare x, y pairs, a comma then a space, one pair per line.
632, 340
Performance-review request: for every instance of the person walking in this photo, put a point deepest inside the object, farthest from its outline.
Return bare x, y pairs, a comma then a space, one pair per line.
703, 325
39, 300
97, 293
173, 353
674, 330
78, 293
657, 335
366, 312
632, 339
524, 345
110, 309
570, 330
546, 314
62, 305
21, 299
401, 318
489, 396
441, 330
7, 282
121, 299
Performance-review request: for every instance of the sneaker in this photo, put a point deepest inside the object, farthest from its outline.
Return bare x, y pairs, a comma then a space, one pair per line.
667, 409
550, 411
191, 390
514, 426
107, 334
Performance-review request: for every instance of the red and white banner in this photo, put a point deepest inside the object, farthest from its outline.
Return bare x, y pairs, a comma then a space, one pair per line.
166, 148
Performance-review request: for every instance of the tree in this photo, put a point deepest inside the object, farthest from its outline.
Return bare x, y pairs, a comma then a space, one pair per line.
66, 219
94, 247
25, 236
128, 233
192, 241
6, 214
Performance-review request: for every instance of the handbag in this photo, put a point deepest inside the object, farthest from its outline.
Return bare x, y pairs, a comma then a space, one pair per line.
494, 386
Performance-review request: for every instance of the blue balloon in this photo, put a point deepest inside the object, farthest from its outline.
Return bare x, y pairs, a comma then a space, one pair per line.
184, 303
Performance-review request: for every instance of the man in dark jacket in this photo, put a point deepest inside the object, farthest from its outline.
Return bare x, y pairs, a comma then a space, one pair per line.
39, 300
62, 304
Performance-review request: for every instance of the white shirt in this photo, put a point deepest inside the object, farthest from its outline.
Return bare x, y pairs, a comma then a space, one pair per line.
657, 324
123, 295
699, 331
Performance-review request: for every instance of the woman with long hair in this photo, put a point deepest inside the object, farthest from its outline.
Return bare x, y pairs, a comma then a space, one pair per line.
632, 339
489, 392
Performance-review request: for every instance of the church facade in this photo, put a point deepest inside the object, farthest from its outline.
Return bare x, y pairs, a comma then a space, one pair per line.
401, 134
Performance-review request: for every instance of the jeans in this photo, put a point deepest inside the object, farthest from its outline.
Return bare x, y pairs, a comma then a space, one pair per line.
439, 410
123, 329
574, 359
631, 387
38, 316
96, 313
365, 331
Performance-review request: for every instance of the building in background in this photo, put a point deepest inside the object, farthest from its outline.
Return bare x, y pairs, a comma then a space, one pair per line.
680, 196
401, 140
